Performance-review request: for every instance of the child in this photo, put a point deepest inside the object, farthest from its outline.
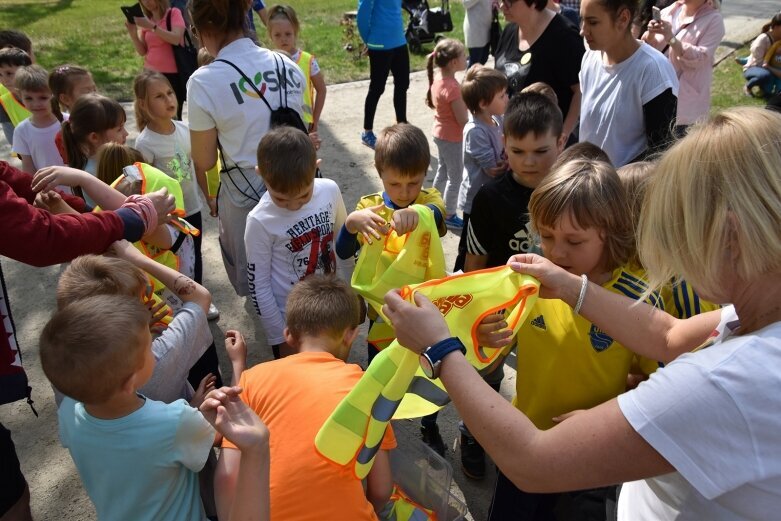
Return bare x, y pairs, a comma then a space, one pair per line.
290, 233
444, 95
19, 40
765, 54
565, 363
68, 83
485, 94
293, 397
401, 157
11, 59
34, 137
283, 29
137, 458
165, 144
94, 121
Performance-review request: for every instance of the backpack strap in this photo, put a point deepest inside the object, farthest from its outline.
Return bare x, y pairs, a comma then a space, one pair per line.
282, 77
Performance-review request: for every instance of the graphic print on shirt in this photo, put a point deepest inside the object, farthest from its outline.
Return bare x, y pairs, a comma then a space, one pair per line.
517, 72
180, 164
266, 81
311, 244
521, 241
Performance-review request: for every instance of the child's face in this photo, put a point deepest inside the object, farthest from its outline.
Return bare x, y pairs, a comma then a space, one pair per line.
498, 104
7, 75
81, 85
160, 100
291, 202
282, 34
113, 135
39, 103
531, 156
577, 250
402, 189
458, 64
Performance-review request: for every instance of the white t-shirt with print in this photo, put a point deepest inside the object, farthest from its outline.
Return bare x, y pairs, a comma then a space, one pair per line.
611, 110
171, 153
218, 97
715, 415
284, 246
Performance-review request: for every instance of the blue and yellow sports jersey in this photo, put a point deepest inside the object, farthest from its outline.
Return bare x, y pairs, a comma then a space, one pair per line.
566, 363
681, 301
427, 196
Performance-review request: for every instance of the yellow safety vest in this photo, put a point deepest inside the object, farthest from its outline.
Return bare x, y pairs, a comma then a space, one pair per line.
393, 385
15, 110
406, 509
305, 63
213, 177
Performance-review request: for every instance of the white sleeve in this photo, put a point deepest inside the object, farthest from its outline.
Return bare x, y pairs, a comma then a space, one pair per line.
689, 417
21, 144
258, 243
194, 437
143, 146
344, 267
199, 106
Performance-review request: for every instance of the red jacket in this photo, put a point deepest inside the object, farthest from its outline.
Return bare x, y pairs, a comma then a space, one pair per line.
34, 236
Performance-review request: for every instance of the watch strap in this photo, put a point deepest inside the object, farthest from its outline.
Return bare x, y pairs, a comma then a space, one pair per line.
438, 351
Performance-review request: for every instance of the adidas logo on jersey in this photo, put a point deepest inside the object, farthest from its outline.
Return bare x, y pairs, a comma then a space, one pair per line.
521, 241
539, 323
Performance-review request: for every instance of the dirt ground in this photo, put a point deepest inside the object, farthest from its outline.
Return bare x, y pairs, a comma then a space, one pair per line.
57, 492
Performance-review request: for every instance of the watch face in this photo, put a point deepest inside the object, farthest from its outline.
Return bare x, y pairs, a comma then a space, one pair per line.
426, 366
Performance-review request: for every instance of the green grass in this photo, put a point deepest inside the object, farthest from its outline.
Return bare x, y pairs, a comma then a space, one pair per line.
727, 90
92, 33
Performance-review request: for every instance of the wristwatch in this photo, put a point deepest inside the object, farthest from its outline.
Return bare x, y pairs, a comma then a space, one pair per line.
672, 41
431, 358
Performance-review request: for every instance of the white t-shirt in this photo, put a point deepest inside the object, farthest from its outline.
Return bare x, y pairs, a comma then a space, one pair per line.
171, 153
218, 97
715, 415
284, 246
30, 140
611, 110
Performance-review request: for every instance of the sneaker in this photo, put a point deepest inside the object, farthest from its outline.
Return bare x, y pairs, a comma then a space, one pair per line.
213, 313
368, 138
472, 457
454, 221
432, 438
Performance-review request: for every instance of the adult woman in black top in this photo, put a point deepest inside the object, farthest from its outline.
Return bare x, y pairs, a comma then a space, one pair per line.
540, 45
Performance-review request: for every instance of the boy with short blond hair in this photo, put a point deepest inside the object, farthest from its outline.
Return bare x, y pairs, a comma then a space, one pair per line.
138, 458
290, 233
294, 396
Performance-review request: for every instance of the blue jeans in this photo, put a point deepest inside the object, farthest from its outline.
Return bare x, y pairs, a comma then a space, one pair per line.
766, 80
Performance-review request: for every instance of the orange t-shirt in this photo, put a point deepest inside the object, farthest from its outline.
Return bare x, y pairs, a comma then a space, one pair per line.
294, 396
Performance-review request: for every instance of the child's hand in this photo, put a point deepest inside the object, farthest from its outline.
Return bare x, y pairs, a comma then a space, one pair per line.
368, 223
234, 419
52, 201
315, 137
404, 220
206, 386
492, 332
212, 201
499, 169
157, 313
52, 176
235, 346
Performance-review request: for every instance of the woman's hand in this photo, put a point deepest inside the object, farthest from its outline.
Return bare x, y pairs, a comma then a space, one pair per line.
555, 282
163, 202
417, 326
661, 27
143, 22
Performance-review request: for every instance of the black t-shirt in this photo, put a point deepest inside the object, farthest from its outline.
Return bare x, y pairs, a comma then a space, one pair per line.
499, 222
553, 59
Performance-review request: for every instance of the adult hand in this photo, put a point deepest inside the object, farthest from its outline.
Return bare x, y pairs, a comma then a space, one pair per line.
163, 202
212, 202
661, 27
231, 417
144, 22
417, 326
554, 281
52, 176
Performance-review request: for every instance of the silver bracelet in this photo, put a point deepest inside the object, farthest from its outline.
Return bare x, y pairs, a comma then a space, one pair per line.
582, 296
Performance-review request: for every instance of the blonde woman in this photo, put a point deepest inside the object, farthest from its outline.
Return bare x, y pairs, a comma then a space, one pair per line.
699, 439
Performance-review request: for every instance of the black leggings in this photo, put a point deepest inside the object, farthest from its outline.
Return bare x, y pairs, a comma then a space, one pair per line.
180, 89
396, 62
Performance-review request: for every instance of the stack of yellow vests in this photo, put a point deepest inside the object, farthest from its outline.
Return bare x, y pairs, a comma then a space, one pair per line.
393, 386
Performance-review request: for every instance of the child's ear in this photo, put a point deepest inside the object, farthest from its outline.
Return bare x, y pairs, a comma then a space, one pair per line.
289, 338
349, 336
561, 142
93, 138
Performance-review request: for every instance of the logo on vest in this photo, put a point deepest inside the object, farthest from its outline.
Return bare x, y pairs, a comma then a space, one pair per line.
539, 323
599, 339
445, 304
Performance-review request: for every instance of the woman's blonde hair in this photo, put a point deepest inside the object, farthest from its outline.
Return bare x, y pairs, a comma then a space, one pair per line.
717, 188
635, 178
592, 194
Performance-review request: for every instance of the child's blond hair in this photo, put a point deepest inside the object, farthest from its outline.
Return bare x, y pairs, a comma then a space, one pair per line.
716, 188
92, 346
321, 305
287, 160
592, 194
111, 159
635, 178
91, 275
404, 148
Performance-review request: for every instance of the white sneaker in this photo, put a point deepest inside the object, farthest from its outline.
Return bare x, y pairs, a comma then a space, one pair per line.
213, 313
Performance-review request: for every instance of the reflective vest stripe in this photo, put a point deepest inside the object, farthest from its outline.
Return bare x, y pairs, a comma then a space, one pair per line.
305, 63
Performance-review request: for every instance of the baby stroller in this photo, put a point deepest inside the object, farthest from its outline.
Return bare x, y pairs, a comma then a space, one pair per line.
424, 23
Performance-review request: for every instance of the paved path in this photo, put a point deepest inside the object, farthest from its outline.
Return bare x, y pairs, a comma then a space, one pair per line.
56, 490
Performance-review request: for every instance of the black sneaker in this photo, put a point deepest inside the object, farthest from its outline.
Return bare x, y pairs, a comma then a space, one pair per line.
472, 457
431, 437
